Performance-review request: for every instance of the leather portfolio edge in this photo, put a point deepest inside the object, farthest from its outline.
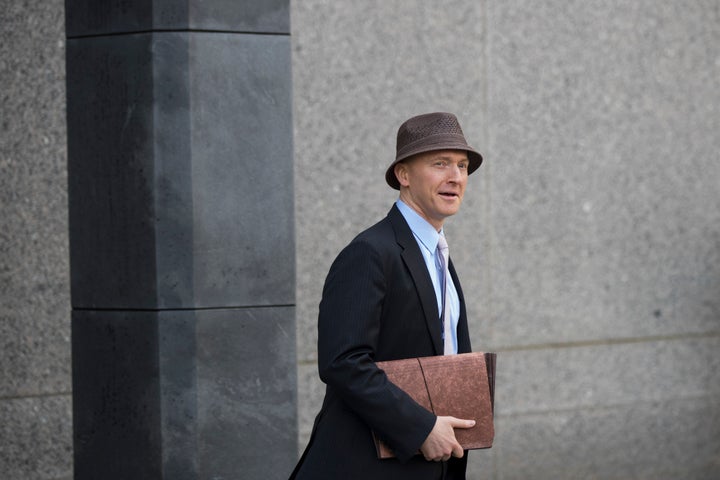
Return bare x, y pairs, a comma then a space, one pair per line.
411, 376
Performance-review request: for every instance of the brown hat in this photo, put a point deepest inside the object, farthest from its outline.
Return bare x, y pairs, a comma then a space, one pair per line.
426, 133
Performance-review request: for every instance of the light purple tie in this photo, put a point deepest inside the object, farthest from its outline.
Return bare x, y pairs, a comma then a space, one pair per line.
445, 316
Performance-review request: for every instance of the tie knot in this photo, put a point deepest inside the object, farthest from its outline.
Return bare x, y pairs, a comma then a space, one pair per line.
442, 243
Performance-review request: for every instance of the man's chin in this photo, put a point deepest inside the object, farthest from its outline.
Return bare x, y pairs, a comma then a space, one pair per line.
451, 210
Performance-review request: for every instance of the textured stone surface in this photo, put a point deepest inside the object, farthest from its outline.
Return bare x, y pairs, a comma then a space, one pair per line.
247, 392
190, 205
35, 405
92, 17
243, 195
659, 440
34, 290
181, 205
116, 395
535, 381
110, 175
175, 388
482, 464
36, 438
605, 216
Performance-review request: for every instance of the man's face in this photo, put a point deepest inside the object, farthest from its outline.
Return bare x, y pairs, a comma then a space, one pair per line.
433, 183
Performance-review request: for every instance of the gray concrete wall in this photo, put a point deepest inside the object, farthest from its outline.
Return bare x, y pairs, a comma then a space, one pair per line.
590, 237
589, 242
35, 402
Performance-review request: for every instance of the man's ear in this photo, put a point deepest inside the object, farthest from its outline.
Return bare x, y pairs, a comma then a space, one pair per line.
401, 173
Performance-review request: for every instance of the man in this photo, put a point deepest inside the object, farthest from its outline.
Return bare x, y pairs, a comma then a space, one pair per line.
387, 297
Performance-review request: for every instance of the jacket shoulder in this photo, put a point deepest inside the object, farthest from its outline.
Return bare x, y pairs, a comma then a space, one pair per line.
390, 231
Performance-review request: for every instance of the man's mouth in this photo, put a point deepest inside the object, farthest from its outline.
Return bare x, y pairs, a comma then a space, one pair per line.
448, 194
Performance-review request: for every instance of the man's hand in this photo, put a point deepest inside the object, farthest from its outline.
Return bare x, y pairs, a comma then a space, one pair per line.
441, 444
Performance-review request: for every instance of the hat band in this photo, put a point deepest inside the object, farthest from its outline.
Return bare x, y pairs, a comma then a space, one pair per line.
435, 142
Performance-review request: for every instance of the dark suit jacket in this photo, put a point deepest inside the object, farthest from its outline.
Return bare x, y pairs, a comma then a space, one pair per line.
378, 304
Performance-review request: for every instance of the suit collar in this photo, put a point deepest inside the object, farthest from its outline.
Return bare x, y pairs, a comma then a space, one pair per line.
415, 263
421, 228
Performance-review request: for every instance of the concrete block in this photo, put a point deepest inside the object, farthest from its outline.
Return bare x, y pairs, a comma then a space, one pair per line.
36, 437
604, 207
110, 172
243, 192
35, 342
659, 440
180, 130
116, 395
178, 391
535, 381
86, 17
34, 281
247, 392
482, 464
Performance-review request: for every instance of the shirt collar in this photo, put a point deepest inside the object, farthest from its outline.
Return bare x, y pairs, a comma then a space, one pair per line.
423, 231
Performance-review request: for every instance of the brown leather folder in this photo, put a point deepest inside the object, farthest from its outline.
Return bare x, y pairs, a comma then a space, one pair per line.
461, 386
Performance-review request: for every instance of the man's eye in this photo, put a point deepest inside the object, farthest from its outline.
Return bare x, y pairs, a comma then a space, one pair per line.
462, 165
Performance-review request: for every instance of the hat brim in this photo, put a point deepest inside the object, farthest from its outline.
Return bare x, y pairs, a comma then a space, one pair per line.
474, 158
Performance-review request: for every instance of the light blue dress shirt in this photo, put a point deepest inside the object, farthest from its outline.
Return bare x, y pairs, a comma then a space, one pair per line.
427, 239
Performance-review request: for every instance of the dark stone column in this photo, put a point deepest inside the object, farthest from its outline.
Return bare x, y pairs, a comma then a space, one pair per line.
181, 239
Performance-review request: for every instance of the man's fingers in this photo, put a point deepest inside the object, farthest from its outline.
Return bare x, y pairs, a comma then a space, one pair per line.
461, 423
457, 450
441, 443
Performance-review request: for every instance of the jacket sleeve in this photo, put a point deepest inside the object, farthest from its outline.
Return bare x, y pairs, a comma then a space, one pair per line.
348, 330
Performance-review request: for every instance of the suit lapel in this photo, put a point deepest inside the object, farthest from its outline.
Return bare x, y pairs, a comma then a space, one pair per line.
415, 262
463, 335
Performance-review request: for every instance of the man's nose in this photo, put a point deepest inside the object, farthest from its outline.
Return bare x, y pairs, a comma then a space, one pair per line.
455, 173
